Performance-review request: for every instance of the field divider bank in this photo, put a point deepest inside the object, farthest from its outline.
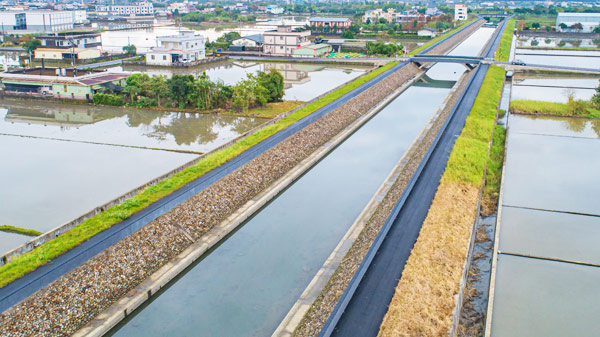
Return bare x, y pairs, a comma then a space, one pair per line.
322, 278
124, 307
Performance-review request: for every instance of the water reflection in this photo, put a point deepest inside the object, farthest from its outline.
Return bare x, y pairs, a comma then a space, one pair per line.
128, 127
554, 87
302, 81
557, 42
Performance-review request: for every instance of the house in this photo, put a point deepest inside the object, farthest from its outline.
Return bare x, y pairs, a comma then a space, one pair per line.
67, 54
335, 25
71, 39
313, 50
410, 16
283, 41
374, 15
60, 83
427, 32
460, 12
255, 40
185, 47
588, 21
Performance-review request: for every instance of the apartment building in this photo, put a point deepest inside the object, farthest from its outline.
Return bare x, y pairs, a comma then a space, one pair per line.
460, 12
139, 9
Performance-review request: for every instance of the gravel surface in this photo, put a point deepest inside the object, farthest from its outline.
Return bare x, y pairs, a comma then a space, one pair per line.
70, 302
315, 318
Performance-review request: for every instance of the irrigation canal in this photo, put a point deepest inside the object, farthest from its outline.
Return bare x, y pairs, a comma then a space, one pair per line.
247, 284
365, 301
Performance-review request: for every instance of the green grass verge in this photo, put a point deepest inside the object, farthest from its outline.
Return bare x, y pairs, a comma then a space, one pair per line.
504, 48
494, 165
559, 48
19, 230
421, 48
470, 154
578, 109
41, 255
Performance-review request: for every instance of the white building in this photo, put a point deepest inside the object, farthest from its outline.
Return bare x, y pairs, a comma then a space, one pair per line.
183, 48
588, 21
427, 32
255, 40
460, 12
139, 9
28, 22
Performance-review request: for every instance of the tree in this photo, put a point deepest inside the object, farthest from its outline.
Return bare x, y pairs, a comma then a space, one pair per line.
347, 35
31, 45
273, 82
130, 49
535, 25
368, 21
383, 21
548, 29
577, 26
415, 23
597, 29
563, 26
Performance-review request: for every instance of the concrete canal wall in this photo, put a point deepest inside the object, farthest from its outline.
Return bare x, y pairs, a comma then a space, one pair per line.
75, 299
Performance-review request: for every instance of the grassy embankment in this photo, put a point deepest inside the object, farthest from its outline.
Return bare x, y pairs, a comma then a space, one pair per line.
424, 299
573, 109
19, 230
505, 41
41, 255
421, 48
493, 172
560, 48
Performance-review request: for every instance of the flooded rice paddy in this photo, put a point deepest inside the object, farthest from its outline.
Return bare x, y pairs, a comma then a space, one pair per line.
570, 58
64, 160
547, 267
553, 88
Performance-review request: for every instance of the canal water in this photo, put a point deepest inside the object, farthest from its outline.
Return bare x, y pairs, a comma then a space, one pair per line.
302, 81
246, 285
64, 160
547, 268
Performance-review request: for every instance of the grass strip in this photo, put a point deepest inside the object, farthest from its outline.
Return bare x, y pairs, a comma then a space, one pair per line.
559, 48
573, 109
41, 255
493, 173
19, 230
439, 38
503, 51
425, 296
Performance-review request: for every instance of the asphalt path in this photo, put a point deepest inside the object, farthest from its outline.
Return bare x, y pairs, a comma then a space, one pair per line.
365, 302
